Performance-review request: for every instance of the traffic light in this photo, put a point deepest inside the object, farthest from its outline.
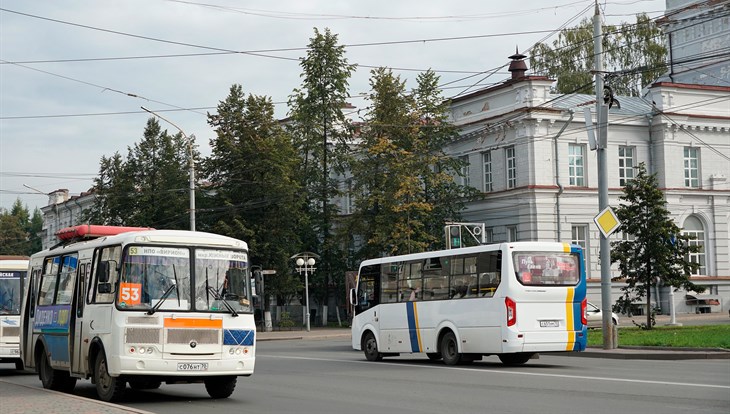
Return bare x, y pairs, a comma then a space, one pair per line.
454, 237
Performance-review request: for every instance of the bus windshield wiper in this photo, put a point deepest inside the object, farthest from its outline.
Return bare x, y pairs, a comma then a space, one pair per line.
162, 299
218, 297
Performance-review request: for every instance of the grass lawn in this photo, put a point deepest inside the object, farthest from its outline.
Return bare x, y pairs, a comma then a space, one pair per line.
710, 336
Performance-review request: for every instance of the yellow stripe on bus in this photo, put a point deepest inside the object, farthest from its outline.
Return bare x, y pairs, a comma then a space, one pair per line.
193, 323
566, 248
569, 319
418, 330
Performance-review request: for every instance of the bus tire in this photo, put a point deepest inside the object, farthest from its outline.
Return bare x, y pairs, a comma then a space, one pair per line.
220, 387
54, 379
108, 388
370, 347
515, 359
433, 356
450, 349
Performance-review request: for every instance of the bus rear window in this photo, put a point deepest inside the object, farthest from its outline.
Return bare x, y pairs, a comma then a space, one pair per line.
547, 268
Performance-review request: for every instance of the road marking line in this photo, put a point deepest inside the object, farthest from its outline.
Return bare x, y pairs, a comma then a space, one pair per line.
534, 374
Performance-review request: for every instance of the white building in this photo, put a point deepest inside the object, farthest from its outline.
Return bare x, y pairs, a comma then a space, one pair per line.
528, 152
63, 211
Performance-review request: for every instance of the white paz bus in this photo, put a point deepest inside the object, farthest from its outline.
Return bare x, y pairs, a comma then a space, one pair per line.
122, 305
512, 300
13, 271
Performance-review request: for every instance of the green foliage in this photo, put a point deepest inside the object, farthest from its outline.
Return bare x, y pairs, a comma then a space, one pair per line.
150, 187
20, 234
658, 251
321, 134
633, 53
403, 181
254, 187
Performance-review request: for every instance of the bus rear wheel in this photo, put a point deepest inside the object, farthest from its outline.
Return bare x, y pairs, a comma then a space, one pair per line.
54, 379
370, 347
515, 359
220, 387
108, 388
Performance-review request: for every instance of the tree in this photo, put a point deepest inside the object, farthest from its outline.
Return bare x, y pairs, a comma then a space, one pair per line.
656, 252
634, 54
252, 170
403, 181
19, 232
321, 134
149, 188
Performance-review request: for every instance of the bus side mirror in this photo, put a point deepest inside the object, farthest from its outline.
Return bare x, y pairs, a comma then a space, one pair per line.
102, 273
353, 297
105, 287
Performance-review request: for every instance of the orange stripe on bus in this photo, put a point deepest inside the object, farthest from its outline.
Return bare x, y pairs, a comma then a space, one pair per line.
569, 318
193, 323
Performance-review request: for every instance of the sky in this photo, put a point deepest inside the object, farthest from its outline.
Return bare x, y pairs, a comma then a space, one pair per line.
75, 73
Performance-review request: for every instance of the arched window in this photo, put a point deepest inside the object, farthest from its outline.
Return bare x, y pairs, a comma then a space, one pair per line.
693, 227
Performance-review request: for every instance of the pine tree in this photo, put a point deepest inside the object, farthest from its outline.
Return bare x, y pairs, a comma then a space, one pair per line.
321, 133
656, 252
254, 186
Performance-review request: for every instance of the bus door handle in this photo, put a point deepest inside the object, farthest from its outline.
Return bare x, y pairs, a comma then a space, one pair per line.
375, 316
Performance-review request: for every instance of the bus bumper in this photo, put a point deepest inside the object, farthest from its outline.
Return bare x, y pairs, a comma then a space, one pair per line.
181, 367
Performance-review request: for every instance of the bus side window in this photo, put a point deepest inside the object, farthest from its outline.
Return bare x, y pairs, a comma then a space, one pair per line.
106, 274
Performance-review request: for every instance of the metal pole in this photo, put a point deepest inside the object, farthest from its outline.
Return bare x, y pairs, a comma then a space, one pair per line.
192, 166
306, 291
605, 251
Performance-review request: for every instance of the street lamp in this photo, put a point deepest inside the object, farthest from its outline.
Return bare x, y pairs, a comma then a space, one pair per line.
192, 167
305, 264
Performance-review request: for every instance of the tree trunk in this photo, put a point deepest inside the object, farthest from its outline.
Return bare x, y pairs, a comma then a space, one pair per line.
648, 297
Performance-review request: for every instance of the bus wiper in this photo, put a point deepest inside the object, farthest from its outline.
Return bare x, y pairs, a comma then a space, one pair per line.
162, 299
218, 297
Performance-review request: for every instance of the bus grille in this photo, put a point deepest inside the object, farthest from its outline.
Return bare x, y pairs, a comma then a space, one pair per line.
11, 331
201, 336
142, 320
143, 335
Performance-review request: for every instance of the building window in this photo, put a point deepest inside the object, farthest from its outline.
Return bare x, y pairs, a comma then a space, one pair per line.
349, 199
487, 165
691, 167
625, 165
693, 228
465, 171
511, 233
576, 165
489, 235
579, 236
511, 163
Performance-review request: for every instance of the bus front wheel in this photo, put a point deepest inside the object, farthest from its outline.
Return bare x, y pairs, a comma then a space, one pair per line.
108, 388
450, 349
515, 359
370, 347
220, 387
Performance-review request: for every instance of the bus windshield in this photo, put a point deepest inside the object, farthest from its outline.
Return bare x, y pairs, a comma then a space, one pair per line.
547, 268
222, 275
150, 271
10, 292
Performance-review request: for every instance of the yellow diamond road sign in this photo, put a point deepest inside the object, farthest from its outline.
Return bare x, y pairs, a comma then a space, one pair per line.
607, 221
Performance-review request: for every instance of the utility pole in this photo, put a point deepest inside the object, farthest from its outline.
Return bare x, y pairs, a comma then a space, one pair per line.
602, 142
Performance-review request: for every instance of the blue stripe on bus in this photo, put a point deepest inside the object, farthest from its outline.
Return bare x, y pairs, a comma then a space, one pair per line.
412, 326
58, 347
579, 295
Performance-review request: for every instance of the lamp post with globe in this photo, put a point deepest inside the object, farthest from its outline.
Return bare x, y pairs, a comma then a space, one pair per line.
305, 264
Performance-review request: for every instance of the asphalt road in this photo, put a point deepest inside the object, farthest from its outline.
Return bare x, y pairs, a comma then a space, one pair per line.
326, 376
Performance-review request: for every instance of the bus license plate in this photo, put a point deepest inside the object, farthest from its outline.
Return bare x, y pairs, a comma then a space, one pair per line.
15, 352
549, 324
192, 366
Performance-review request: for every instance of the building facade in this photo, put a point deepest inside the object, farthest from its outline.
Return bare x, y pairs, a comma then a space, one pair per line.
63, 211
